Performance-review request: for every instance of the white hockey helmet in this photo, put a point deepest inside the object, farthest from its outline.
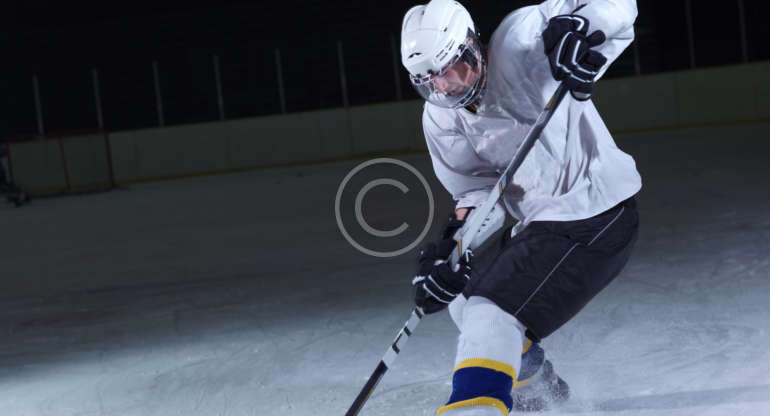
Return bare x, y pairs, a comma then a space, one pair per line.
442, 52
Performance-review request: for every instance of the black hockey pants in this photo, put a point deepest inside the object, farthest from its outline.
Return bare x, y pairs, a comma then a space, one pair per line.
548, 272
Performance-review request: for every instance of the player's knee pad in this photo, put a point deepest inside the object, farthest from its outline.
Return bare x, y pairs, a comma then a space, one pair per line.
486, 364
532, 361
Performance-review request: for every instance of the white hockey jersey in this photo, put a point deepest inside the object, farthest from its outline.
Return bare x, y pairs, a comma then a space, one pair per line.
575, 170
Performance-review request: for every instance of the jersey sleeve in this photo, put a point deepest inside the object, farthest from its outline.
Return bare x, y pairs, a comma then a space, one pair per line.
457, 166
613, 17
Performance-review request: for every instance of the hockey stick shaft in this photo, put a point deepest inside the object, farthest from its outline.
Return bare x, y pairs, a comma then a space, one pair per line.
386, 362
464, 237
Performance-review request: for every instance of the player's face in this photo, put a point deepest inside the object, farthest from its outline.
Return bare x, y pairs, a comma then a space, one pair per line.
456, 79
460, 82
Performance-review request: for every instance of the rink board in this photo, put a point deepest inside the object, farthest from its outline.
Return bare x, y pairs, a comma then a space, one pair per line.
732, 94
38, 166
87, 162
724, 95
77, 163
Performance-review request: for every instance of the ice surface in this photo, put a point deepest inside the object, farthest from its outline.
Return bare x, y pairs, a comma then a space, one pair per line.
214, 296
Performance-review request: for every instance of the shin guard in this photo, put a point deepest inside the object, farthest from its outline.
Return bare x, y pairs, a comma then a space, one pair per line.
486, 364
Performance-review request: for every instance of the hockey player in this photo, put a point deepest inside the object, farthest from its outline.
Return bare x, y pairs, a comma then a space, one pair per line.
572, 196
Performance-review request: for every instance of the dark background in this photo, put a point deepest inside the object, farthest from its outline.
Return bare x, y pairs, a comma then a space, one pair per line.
62, 42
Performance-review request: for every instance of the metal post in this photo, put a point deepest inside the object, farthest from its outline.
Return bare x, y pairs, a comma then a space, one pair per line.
158, 95
744, 38
637, 58
218, 80
38, 107
343, 78
279, 75
690, 34
97, 98
396, 68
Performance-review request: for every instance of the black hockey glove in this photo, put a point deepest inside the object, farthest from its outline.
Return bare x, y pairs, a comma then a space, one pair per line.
570, 55
436, 283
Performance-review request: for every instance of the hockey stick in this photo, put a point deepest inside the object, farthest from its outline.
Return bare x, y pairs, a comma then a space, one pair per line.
387, 360
476, 229
475, 222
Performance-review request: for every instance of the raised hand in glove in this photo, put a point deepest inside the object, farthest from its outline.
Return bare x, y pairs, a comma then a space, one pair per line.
570, 53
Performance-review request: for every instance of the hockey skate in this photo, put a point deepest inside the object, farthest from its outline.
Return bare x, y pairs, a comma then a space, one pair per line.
540, 391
